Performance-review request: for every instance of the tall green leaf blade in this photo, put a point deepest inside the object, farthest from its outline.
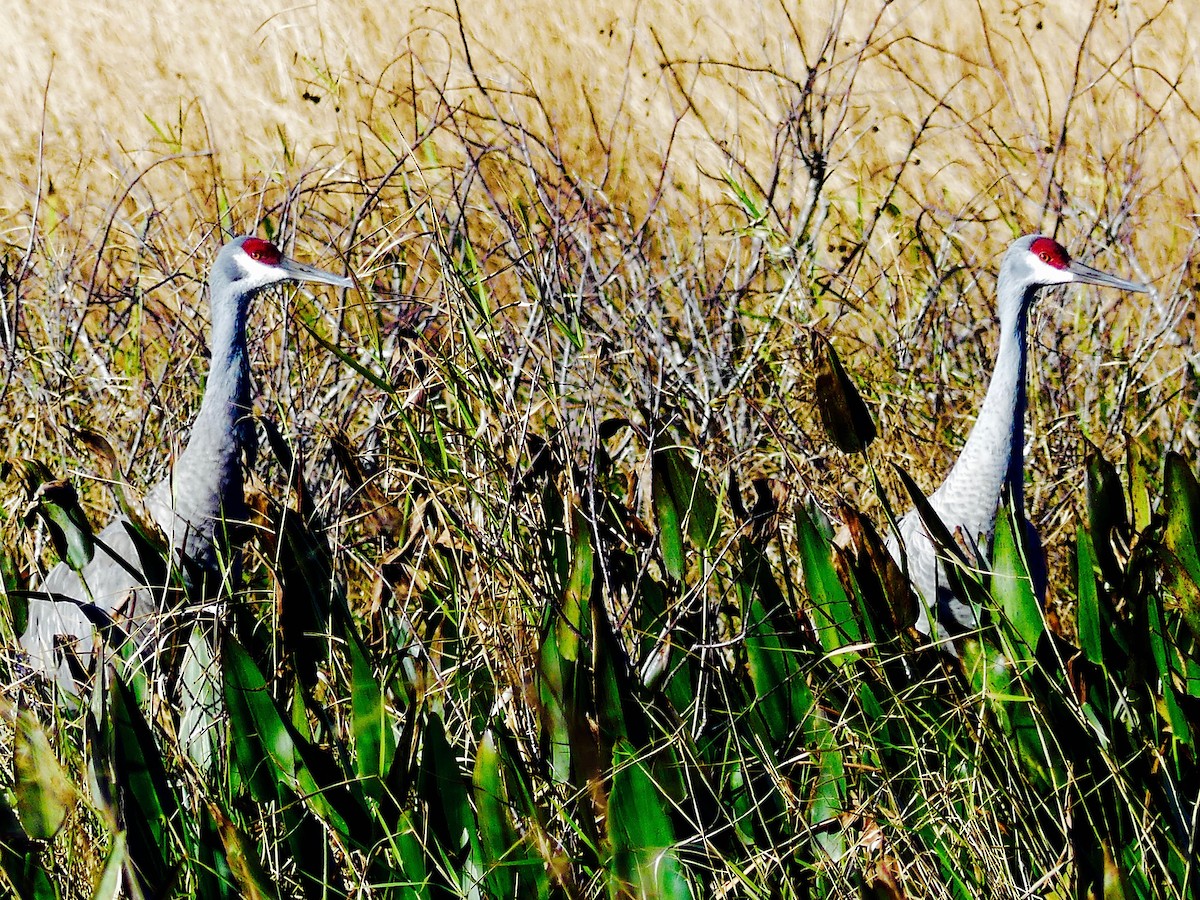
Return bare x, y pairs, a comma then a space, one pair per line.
1108, 515
1012, 588
1088, 615
374, 740
783, 697
827, 801
771, 671
246, 690
150, 806
645, 862
669, 518
539, 849
1140, 500
442, 785
253, 708
1182, 539
837, 625
43, 791
497, 836
412, 873
571, 623
554, 673
58, 506
690, 495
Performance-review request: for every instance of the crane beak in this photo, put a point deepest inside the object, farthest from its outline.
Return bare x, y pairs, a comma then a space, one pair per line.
1088, 275
298, 271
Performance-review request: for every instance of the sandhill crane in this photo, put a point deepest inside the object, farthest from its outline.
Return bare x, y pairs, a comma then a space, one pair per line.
993, 458
202, 493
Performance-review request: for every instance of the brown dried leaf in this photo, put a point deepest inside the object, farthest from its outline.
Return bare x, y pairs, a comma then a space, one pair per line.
843, 411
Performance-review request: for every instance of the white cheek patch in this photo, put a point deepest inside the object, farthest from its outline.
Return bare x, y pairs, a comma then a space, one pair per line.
257, 274
1047, 274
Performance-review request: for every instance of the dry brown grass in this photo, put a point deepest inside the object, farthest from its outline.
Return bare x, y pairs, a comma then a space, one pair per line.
890, 151
940, 132
994, 90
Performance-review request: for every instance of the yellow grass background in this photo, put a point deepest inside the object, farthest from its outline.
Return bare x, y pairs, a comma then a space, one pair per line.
617, 83
967, 124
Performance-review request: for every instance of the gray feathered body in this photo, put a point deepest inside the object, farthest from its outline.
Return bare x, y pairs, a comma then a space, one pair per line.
203, 491
991, 460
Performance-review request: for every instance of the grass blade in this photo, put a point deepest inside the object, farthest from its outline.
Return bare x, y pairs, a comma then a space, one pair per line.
640, 832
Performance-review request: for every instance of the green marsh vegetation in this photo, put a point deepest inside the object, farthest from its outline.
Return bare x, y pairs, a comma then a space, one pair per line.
542, 596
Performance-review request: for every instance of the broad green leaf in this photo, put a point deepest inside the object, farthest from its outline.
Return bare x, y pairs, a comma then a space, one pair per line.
1139, 487
150, 807
829, 788
259, 726
1107, 514
44, 793
784, 698
994, 678
1116, 880
246, 690
374, 740
58, 506
645, 862
692, 498
247, 754
1088, 615
617, 704
539, 849
836, 623
669, 518
1012, 588
1182, 539
742, 803
554, 673
1191, 677
412, 873
442, 785
577, 597
497, 836
772, 669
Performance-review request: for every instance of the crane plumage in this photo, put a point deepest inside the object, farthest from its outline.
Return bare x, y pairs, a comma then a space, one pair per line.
993, 459
203, 491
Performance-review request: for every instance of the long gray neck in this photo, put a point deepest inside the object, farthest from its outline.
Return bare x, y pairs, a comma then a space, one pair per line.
993, 456
207, 478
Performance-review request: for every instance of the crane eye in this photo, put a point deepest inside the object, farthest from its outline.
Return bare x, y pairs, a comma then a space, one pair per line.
262, 251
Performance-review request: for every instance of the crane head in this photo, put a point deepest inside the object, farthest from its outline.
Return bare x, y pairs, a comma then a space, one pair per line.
1039, 261
248, 264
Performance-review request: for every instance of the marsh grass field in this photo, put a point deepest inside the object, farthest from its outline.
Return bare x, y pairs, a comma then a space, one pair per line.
541, 596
